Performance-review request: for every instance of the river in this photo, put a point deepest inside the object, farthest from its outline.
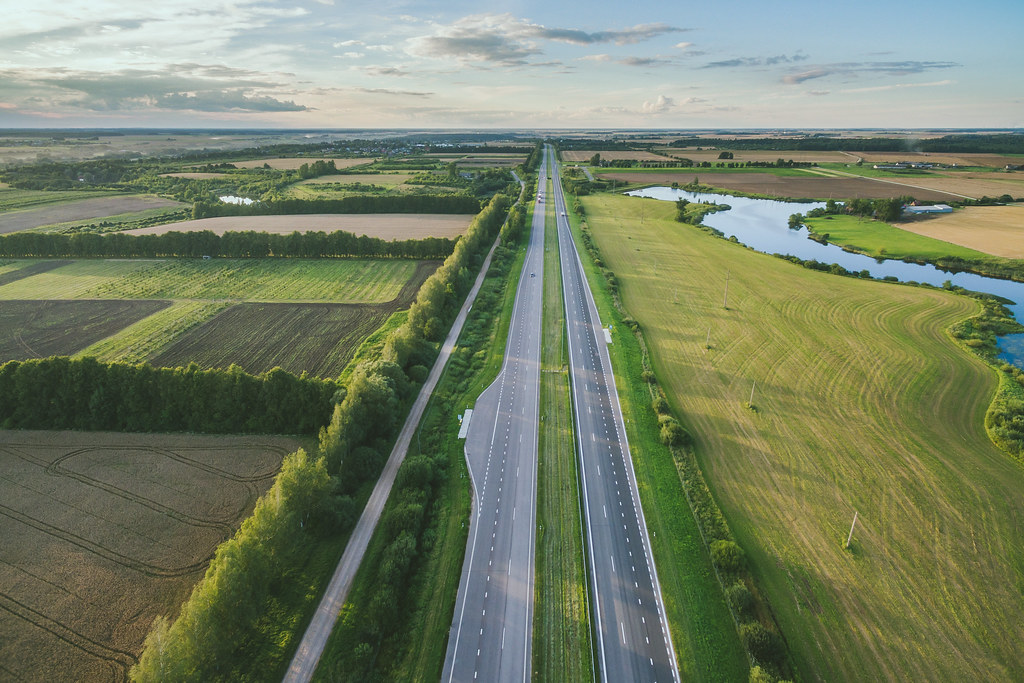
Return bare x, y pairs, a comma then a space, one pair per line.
763, 224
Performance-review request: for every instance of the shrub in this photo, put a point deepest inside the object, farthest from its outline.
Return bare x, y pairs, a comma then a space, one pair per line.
727, 556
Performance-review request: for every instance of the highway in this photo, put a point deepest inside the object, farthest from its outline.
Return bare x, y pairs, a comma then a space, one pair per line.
631, 630
492, 628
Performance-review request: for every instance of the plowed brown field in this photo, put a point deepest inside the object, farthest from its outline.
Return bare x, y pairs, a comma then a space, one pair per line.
102, 532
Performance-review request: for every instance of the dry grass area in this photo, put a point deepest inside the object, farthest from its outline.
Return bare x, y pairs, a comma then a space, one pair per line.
293, 163
755, 155
863, 403
812, 186
996, 230
388, 226
574, 155
103, 532
82, 209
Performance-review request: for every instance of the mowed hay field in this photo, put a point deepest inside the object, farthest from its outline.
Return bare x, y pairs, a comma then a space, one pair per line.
812, 186
863, 404
756, 155
996, 230
386, 226
103, 532
611, 155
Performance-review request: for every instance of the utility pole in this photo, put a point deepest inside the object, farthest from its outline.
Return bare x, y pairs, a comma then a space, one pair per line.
751, 401
726, 304
707, 342
850, 537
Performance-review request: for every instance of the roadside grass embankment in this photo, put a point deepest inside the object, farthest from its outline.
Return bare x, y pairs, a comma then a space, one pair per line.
862, 404
411, 646
562, 647
703, 631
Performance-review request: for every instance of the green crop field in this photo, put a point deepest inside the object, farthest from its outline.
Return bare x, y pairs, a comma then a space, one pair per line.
862, 404
328, 280
13, 200
879, 239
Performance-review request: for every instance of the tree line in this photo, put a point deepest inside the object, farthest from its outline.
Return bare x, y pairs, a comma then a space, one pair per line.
415, 203
312, 498
85, 394
244, 244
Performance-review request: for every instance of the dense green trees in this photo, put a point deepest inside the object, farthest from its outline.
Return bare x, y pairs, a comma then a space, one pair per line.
245, 244
61, 393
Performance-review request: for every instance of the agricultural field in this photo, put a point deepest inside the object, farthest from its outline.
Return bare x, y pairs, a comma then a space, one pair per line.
996, 230
195, 176
966, 184
298, 314
38, 329
318, 339
103, 532
739, 156
384, 179
576, 155
976, 159
293, 163
77, 209
805, 185
295, 280
387, 226
862, 404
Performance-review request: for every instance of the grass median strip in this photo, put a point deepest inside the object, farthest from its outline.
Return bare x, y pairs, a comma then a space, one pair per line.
561, 632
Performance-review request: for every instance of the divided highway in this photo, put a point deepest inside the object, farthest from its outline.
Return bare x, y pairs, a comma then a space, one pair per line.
492, 629
628, 615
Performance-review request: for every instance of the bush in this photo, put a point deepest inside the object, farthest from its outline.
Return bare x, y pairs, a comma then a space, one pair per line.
765, 646
727, 556
741, 599
673, 433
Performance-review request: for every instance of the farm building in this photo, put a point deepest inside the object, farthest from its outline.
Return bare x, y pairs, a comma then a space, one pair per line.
923, 210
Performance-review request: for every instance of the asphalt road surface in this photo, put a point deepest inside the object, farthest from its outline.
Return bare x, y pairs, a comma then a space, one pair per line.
633, 640
492, 628
314, 640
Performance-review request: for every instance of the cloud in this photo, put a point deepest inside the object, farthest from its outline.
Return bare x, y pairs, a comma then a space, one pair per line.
659, 106
379, 70
857, 69
630, 61
386, 91
177, 87
506, 40
755, 61
899, 86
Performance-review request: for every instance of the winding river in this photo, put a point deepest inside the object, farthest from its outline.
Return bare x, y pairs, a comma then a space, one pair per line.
763, 224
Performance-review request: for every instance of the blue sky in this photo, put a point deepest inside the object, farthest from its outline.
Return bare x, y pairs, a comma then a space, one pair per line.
520, 64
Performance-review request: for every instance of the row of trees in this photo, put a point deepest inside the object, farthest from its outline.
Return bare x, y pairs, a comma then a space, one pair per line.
245, 244
85, 394
239, 586
1010, 143
413, 203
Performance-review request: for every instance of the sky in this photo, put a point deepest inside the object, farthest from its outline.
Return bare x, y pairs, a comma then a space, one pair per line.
519, 64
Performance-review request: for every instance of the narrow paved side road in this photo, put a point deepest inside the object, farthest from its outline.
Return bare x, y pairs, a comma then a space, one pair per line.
319, 630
